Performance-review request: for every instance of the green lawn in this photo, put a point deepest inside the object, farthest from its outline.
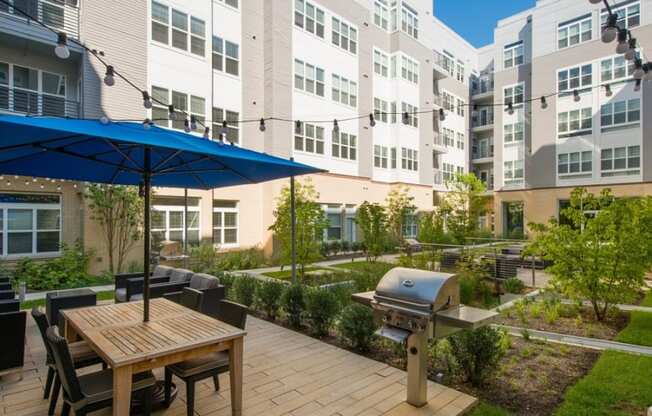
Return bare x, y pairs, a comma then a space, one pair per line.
485, 409
647, 300
639, 329
365, 266
618, 385
29, 304
286, 274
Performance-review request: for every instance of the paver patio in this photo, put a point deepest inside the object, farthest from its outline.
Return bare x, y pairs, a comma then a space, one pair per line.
285, 373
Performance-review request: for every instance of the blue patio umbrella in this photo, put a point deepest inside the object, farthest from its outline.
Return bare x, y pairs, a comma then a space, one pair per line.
127, 153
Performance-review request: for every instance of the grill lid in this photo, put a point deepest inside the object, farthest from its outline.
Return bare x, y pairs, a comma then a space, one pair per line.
428, 289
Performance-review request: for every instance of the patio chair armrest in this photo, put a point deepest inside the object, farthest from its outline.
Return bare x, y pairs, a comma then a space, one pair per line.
160, 289
120, 279
173, 296
211, 300
158, 280
134, 286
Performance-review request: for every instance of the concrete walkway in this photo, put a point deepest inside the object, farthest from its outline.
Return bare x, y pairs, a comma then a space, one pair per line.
326, 264
594, 343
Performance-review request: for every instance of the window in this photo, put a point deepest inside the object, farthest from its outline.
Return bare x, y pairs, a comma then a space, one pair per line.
412, 116
29, 224
345, 36
344, 145
574, 122
232, 3
168, 220
460, 107
460, 141
448, 172
226, 56
381, 14
514, 95
393, 157
513, 55
460, 71
409, 69
197, 36
380, 110
309, 17
334, 229
345, 91
410, 227
620, 161
409, 159
32, 91
449, 137
225, 222
514, 132
616, 68
448, 101
575, 32
232, 126
513, 171
162, 97
381, 63
621, 112
575, 78
629, 16
380, 156
409, 21
575, 162
309, 138
185, 32
160, 22
308, 78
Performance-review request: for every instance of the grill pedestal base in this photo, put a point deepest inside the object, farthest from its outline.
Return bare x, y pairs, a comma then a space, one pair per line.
417, 369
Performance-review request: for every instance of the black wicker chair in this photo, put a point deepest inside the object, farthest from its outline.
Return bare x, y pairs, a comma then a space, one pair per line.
94, 391
12, 347
210, 286
211, 365
174, 281
82, 356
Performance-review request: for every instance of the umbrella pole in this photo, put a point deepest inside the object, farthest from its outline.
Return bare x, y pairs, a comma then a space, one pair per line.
147, 179
293, 230
185, 227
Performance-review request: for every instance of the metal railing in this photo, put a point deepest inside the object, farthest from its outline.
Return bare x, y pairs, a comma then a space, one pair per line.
444, 62
438, 177
484, 118
438, 140
481, 154
60, 15
16, 100
482, 85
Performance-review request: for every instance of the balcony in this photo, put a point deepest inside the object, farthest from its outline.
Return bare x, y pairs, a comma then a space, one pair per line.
482, 121
443, 66
60, 15
438, 145
481, 154
482, 87
438, 177
16, 100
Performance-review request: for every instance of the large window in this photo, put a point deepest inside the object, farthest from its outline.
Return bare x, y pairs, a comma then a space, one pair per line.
575, 32
574, 122
460, 141
225, 222
183, 103
409, 21
578, 77
345, 91
625, 160
412, 116
226, 56
309, 17
380, 110
309, 138
232, 3
616, 68
574, 163
514, 95
514, 133
29, 224
232, 126
629, 15
308, 78
513, 171
381, 63
344, 145
409, 69
178, 29
620, 113
334, 229
168, 220
448, 136
381, 14
345, 36
513, 55
35, 92
410, 225
409, 159
380, 156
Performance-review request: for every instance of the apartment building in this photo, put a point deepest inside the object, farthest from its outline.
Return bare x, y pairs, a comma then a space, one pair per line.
590, 132
318, 64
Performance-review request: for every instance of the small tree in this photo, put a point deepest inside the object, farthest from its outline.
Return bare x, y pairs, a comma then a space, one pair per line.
399, 206
310, 225
464, 204
119, 211
431, 228
372, 220
477, 352
602, 259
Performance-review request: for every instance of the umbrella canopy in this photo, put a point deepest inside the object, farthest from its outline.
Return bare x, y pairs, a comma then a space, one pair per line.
129, 154
114, 153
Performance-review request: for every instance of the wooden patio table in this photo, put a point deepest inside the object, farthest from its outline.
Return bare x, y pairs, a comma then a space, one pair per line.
174, 333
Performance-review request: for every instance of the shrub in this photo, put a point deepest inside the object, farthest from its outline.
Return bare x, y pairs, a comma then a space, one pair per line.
357, 326
514, 285
535, 310
250, 258
227, 280
294, 303
477, 352
244, 289
521, 310
551, 313
268, 294
202, 257
321, 308
67, 271
442, 355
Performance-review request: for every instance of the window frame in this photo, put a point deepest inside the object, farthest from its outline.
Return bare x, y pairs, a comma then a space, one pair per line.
381, 157
382, 65
512, 49
302, 135
384, 11
223, 228
314, 79
167, 209
171, 28
223, 57
626, 17
34, 207
339, 148
581, 120
316, 24
409, 159
351, 35
580, 23
628, 112
337, 90
510, 94
409, 21
628, 157
413, 118
584, 163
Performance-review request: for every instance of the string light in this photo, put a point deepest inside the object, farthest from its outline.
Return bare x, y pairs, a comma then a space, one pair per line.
193, 123
607, 90
637, 85
630, 54
336, 127
623, 44
109, 77
442, 114
261, 126
224, 130
639, 73
610, 31
61, 50
544, 103
207, 132
510, 108
297, 126
104, 120
186, 126
147, 124
171, 113
576, 96
372, 120
147, 101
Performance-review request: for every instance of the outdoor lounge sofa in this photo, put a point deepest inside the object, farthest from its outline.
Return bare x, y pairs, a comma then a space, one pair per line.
213, 292
164, 279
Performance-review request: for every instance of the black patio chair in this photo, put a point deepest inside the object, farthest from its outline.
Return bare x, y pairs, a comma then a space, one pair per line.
12, 346
81, 354
192, 298
211, 288
94, 391
210, 365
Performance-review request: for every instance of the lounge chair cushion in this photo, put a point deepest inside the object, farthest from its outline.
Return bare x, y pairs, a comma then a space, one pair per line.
121, 294
201, 364
98, 386
180, 275
162, 271
202, 281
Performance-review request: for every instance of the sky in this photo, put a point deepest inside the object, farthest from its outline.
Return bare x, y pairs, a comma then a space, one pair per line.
475, 20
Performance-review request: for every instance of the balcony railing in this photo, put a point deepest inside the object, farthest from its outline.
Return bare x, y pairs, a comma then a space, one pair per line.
60, 15
438, 177
482, 85
444, 62
16, 100
483, 118
438, 140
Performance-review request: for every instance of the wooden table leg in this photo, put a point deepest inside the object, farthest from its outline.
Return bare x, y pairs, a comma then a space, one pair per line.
121, 391
235, 374
68, 332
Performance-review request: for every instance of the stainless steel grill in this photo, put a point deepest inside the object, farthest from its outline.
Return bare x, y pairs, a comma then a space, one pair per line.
414, 306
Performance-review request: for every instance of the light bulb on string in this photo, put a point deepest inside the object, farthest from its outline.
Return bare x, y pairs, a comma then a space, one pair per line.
610, 31
372, 120
442, 114
576, 96
544, 103
109, 76
607, 90
336, 127
623, 44
510, 108
172, 115
193, 123
186, 126
207, 133
261, 125
61, 50
147, 100
104, 120
147, 124
630, 54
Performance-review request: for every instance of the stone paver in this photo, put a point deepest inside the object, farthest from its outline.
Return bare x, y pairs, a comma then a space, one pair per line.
285, 373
